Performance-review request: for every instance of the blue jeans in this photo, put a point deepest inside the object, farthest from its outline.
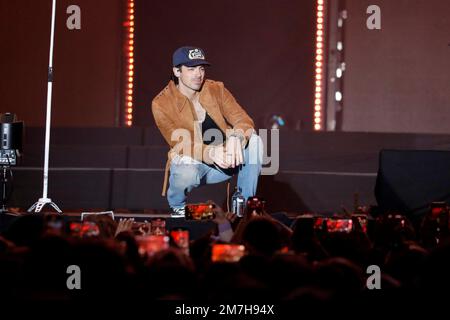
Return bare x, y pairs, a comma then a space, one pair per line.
186, 174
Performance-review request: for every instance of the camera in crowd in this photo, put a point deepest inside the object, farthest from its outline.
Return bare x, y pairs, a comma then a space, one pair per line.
255, 205
341, 224
227, 252
199, 211
333, 224
85, 229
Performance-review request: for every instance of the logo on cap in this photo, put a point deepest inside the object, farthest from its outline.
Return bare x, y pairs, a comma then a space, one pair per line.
196, 54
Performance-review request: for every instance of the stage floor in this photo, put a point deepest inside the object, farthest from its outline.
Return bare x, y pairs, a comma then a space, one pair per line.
114, 168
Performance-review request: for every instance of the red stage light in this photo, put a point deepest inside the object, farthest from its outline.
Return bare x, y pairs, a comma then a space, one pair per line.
319, 63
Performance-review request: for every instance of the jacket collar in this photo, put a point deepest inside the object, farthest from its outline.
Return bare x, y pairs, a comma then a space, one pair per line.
181, 100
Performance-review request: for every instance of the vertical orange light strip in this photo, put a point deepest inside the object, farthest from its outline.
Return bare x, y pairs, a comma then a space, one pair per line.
319, 67
129, 65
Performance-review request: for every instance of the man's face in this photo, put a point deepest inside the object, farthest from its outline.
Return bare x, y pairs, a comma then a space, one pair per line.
190, 77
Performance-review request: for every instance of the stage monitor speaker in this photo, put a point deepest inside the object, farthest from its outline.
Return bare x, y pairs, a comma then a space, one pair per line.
409, 180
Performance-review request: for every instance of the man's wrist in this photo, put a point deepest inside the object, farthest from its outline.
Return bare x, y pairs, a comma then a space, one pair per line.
239, 136
212, 152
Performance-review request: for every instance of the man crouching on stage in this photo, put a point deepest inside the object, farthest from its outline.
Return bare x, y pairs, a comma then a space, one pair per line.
211, 137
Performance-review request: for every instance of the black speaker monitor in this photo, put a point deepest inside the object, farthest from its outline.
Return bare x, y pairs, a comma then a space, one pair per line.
410, 180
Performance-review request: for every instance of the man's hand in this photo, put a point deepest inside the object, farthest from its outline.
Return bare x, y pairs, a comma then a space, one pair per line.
233, 149
217, 154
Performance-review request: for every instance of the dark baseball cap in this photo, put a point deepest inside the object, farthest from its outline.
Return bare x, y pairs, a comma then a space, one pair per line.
189, 56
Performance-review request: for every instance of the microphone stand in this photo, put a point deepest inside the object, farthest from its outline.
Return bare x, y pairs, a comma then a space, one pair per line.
45, 200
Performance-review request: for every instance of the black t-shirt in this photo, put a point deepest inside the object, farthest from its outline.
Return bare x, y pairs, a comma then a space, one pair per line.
213, 136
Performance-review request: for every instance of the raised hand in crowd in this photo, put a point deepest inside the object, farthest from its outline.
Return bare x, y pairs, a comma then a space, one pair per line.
124, 225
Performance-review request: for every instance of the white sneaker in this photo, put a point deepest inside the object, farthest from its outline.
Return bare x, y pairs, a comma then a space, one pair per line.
178, 213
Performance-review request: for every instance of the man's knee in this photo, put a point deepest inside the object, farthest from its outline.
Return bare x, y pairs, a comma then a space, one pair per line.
184, 176
255, 149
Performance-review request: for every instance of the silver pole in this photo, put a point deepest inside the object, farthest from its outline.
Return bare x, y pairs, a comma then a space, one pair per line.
45, 200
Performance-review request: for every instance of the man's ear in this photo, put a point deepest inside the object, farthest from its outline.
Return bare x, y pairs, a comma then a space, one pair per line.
176, 71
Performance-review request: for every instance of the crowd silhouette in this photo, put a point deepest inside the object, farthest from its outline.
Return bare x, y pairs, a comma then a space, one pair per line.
303, 262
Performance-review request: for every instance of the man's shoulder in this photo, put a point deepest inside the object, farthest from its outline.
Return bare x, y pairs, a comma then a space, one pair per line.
213, 84
213, 88
164, 93
164, 98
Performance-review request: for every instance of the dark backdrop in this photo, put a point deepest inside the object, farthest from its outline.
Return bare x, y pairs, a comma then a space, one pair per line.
397, 78
262, 50
87, 62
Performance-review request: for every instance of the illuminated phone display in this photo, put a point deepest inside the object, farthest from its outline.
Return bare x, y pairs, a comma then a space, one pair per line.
227, 252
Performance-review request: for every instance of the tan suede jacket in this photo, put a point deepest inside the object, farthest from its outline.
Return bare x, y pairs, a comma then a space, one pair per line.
172, 110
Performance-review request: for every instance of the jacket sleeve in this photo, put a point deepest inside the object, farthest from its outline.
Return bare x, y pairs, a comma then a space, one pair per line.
242, 124
179, 139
